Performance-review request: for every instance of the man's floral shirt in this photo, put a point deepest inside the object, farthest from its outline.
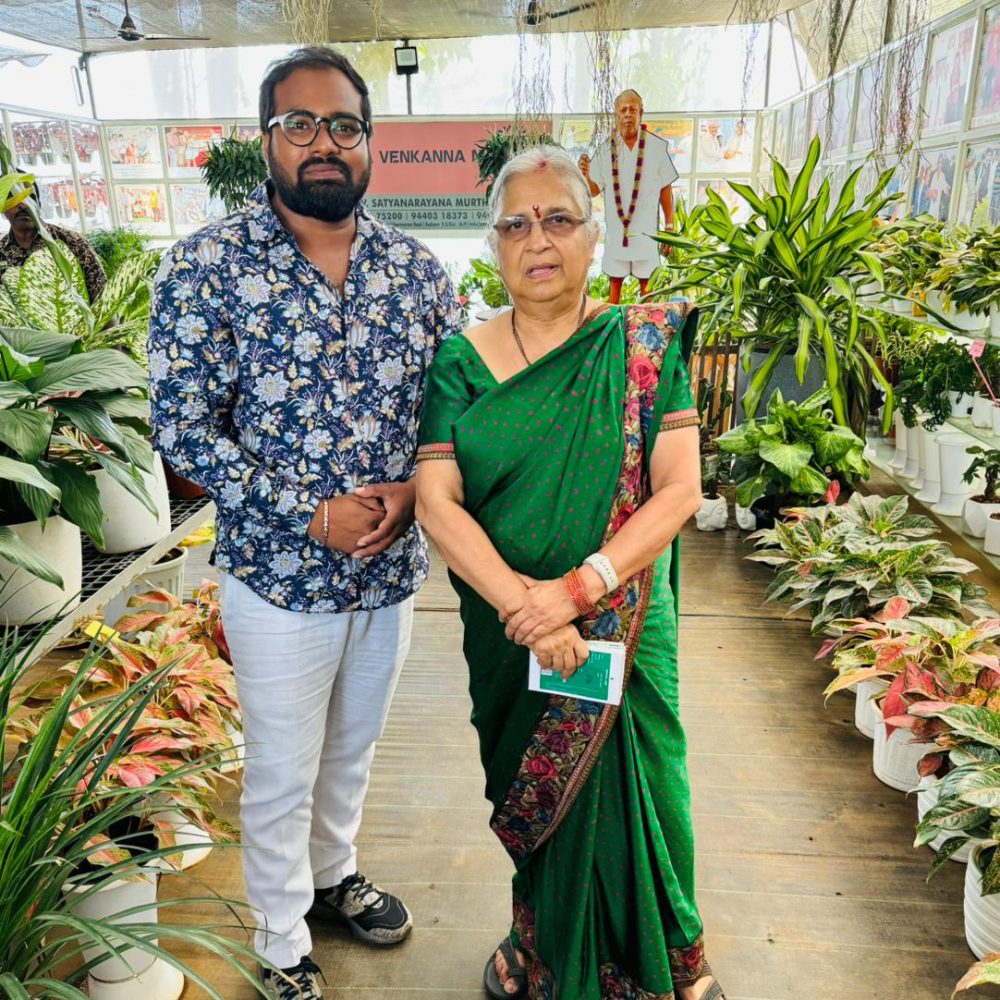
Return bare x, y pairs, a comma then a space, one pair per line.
273, 392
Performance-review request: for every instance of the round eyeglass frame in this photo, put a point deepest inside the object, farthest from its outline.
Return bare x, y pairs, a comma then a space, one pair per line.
318, 120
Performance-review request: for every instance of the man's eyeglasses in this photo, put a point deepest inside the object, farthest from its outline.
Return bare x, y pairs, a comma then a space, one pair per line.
300, 128
514, 228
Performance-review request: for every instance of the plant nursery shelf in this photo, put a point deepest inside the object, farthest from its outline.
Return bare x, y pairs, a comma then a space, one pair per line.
105, 575
979, 433
983, 334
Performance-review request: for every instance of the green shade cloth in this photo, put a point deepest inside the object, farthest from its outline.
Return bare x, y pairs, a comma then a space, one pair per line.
590, 801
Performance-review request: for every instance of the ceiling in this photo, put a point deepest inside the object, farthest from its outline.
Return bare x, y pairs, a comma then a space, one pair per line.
89, 25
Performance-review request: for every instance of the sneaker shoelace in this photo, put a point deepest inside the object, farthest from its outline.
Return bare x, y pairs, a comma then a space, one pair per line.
364, 892
300, 980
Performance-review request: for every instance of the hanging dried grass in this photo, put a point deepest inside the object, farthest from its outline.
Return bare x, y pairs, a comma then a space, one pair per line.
377, 7
604, 44
308, 19
753, 16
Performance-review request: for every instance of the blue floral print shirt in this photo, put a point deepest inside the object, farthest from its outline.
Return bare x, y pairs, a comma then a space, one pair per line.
273, 391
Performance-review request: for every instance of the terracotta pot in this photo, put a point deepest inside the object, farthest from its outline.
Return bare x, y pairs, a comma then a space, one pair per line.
179, 487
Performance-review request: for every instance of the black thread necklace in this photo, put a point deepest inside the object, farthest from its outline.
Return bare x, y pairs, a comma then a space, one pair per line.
517, 336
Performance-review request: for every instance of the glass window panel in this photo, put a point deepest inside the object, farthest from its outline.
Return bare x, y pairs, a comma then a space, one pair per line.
987, 106
979, 201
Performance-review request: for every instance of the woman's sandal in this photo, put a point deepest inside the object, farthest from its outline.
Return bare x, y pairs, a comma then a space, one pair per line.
714, 992
491, 978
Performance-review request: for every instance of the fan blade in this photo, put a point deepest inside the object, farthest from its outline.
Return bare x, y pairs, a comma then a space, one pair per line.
175, 38
98, 16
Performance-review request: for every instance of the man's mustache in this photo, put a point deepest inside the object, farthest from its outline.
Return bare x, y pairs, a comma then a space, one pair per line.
332, 161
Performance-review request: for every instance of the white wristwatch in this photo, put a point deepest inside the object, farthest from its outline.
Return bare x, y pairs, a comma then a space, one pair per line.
602, 566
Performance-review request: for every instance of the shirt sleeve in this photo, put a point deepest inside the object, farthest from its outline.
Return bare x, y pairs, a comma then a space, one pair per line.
600, 167
679, 409
668, 172
193, 387
447, 396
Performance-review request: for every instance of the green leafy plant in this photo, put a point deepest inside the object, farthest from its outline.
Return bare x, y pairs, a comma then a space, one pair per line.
63, 411
483, 280
233, 169
987, 462
500, 145
716, 470
115, 246
911, 250
969, 275
50, 834
795, 455
784, 281
925, 379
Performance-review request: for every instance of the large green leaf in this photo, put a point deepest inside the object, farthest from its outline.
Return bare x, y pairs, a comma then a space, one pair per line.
46, 299
17, 367
42, 344
94, 370
127, 291
790, 459
980, 724
13, 392
88, 416
14, 550
20, 472
27, 432
81, 502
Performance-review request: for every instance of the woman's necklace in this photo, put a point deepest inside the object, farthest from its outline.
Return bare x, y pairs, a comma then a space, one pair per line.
627, 219
517, 336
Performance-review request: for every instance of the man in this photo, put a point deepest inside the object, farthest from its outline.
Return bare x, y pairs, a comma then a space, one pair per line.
635, 172
288, 348
24, 239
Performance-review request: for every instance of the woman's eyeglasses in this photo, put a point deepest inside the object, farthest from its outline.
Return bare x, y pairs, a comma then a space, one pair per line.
514, 228
300, 128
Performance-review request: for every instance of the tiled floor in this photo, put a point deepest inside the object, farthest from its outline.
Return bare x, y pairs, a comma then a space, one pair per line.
808, 885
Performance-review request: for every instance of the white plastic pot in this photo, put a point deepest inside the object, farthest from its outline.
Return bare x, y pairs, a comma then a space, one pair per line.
995, 324
186, 834
713, 515
982, 411
976, 517
24, 598
912, 467
866, 711
991, 541
927, 798
134, 973
961, 403
904, 307
895, 758
870, 291
982, 913
168, 575
953, 463
930, 467
969, 322
128, 525
898, 460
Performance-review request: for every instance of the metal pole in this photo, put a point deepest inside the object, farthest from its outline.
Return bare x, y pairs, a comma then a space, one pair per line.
767, 75
795, 52
409, 87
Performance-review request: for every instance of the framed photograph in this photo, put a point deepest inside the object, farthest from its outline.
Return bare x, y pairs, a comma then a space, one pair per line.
678, 134
738, 208
766, 129
797, 143
86, 140
904, 91
934, 181
134, 151
143, 206
871, 97
59, 203
41, 145
576, 136
186, 146
979, 197
193, 207
987, 106
725, 146
948, 76
245, 132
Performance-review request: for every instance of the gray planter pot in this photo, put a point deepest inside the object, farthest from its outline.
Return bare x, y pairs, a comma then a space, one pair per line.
783, 377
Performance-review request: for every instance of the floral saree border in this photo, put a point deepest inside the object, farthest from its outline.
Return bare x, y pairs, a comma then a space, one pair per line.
571, 733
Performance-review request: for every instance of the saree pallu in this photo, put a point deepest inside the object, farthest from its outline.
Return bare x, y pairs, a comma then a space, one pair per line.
590, 801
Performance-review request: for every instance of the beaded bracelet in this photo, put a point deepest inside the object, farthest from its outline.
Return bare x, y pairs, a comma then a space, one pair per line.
578, 592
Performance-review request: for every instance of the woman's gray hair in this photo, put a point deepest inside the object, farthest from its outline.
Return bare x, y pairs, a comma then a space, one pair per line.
530, 161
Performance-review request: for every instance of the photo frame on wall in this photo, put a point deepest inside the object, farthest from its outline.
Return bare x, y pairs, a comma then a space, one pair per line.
910, 106
780, 149
144, 207
843, 106
738, 208
948, 72
193, 207
134, 151
986, 108
979, 197
934, 181
186, 146
725, 146
678, 134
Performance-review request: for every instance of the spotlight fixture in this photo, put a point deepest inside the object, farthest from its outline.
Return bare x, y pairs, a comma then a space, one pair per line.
406, 59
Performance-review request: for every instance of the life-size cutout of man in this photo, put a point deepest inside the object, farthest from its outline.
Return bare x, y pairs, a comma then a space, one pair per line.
635, 172
288, 349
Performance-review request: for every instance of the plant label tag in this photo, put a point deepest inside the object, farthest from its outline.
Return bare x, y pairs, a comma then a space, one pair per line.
599, 679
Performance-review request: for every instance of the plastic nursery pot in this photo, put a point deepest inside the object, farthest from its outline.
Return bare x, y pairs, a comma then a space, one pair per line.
179, 487
982, 913
991, 543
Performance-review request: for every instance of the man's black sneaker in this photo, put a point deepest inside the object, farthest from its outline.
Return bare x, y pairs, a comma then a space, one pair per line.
373, 915
296, 983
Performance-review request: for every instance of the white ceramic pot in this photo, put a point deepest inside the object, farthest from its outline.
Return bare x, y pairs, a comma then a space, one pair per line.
186, 835
912, 466
866, 711
961, 403
928, 794
991, 541
128, 525
239, 748
714, 514
976, 517
168, 575
870, 291
982, 913
934, 300
982, 411
895, 758
134, 972
745, 519
954, 461
898, 459
931, 459
904, 307
25, 599
995, 324
969, 322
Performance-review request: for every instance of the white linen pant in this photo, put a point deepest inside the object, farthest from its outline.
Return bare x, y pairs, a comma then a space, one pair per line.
315, 691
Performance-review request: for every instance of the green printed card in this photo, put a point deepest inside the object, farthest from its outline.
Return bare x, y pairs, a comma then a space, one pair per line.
599, 679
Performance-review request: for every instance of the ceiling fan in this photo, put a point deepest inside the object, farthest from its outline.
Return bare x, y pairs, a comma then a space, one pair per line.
128, 32
537, 12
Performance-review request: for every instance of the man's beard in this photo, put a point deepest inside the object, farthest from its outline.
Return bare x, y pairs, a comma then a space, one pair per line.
328, 200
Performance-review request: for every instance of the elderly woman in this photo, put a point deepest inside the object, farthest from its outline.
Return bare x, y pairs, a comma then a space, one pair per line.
565, 448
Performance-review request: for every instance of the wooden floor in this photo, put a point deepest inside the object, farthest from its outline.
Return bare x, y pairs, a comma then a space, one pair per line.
807, 881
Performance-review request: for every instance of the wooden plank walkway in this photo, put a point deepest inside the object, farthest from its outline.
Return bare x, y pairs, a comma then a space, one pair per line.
808, 883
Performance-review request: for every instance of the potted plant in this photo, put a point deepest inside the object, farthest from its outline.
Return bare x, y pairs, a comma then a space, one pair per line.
115, 246
483, 281
59, 857
967, 283
796, 455
491, 153
985, 464
783, 284
714, 513
931, 384
233, 169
